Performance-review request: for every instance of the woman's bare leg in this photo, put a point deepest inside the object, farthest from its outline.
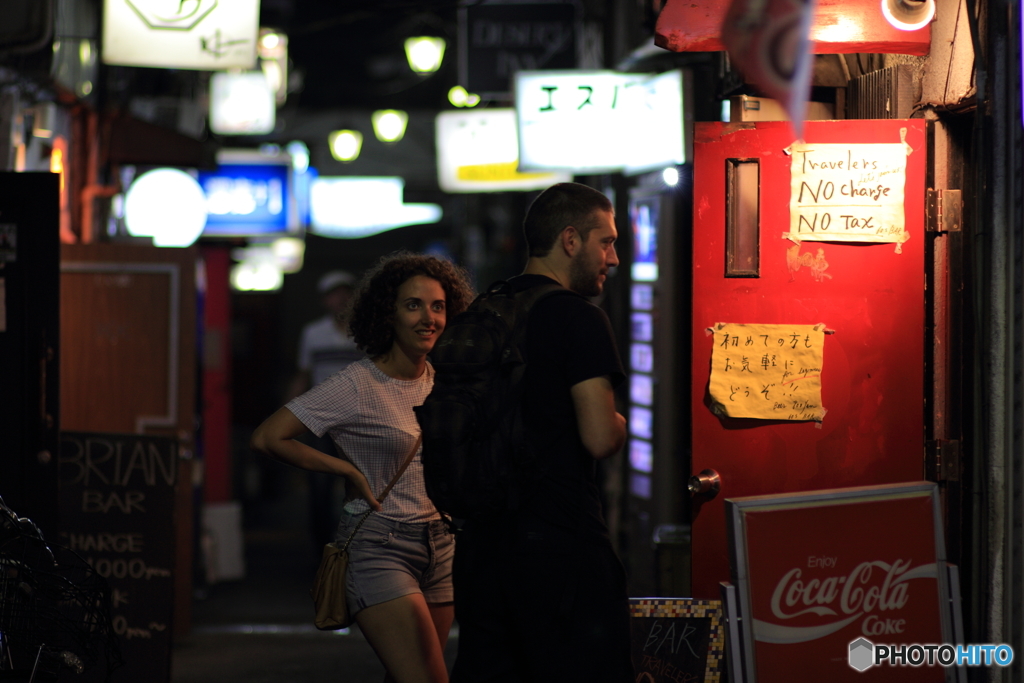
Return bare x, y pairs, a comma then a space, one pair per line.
404, 635
442, 614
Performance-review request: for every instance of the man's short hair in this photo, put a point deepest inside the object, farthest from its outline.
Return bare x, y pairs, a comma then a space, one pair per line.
558, 207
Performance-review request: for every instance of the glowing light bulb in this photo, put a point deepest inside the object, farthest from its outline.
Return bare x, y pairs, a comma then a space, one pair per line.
424, 53
345, 144
389, 124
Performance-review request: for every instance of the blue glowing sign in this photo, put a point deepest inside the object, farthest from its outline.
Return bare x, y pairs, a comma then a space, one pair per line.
249, 199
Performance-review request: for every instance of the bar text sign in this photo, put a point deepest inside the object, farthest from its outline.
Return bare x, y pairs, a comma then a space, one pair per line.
847, 193
117, 513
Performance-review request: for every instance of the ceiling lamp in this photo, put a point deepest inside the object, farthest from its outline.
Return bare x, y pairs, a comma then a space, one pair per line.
389, 124
908, 15
424, 53
461, 98
345, 144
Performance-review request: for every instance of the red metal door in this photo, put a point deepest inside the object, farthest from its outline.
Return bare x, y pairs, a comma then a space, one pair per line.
869, 296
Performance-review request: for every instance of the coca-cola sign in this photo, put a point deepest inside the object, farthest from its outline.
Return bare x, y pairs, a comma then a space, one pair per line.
817, 570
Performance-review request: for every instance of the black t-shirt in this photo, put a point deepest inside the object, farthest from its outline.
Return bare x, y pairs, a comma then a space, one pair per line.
568, 340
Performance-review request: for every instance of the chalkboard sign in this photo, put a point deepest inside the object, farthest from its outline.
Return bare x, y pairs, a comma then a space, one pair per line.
677, 640
117, 513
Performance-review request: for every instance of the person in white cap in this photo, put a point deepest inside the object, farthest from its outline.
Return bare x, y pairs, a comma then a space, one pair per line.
324, 349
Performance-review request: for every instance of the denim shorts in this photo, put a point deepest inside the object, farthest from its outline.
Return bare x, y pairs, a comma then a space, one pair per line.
389, 559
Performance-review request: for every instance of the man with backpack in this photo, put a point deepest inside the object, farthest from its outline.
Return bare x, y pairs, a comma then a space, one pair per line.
539, 591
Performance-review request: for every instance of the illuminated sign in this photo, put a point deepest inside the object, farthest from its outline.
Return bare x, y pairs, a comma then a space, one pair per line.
600, 121
353, 206
241, 104
478, 151
166, 204
246, 199
191, 34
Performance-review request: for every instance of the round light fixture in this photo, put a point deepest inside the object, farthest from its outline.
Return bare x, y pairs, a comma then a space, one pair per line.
424, 53
345, 144
908, 15
389, 124
168, 205
461, 98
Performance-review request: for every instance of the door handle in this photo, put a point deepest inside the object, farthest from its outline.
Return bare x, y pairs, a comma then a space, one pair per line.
705, 485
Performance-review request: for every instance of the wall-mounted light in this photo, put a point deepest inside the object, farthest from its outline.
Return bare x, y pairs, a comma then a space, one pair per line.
259, 276
908, 15
424, 53
389, 124
272, 49
345, 144
461, 98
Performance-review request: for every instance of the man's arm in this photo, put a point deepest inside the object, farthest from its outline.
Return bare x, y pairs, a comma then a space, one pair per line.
602, 428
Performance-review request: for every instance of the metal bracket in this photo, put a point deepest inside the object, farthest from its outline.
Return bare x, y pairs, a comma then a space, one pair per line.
944, 461
943, 210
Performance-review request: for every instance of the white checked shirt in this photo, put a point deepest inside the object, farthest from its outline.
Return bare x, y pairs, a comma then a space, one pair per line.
369, 417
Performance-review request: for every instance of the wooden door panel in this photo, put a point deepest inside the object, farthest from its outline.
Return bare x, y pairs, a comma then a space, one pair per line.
869, 296
121, 346
128, 363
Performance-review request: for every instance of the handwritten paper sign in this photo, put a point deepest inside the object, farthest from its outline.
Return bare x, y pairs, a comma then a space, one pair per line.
677, 640
847, 193
117, 513
769, 372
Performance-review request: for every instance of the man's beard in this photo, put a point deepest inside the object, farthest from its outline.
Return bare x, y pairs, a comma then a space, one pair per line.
583, 279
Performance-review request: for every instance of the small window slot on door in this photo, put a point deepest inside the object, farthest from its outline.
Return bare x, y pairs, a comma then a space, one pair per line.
742, 190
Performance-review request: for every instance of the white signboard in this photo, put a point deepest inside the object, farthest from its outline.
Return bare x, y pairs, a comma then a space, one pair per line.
478, 151
599, 121
181, 34
847, 193
359, 206
241, 103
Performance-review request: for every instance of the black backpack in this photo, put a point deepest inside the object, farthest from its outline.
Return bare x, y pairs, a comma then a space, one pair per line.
476, 462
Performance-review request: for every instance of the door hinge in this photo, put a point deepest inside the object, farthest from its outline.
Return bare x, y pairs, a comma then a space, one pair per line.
943, 210
943, 461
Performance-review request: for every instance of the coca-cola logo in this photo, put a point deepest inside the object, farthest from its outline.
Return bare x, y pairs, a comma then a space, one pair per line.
873, 590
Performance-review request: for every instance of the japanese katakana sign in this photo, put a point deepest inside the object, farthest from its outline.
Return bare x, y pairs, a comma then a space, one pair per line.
769, 372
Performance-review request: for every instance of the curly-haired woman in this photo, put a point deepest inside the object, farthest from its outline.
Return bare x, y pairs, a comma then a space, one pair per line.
399, 575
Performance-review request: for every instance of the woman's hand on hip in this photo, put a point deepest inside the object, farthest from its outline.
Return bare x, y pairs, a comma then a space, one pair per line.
358, 480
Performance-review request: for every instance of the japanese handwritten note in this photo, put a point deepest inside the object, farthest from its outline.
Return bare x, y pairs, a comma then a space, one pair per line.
847, 193
769, 372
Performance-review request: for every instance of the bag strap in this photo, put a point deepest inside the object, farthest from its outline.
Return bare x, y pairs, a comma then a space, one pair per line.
387, 489
401, 470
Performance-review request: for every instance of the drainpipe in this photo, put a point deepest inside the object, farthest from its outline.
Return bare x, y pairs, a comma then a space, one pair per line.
93, 190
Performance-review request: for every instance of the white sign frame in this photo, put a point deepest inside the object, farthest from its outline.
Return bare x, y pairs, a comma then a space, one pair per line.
478, 151
205, 35
601, 121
